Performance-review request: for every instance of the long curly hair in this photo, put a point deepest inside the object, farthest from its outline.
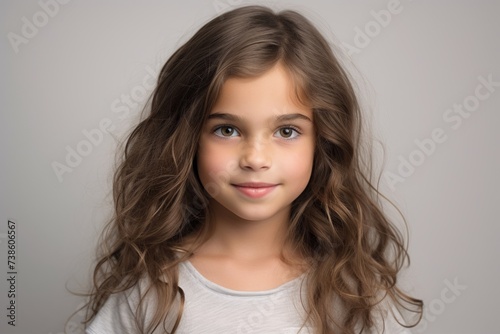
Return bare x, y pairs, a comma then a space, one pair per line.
354, 251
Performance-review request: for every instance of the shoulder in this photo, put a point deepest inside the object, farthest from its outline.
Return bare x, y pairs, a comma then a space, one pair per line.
118, 314
115, 316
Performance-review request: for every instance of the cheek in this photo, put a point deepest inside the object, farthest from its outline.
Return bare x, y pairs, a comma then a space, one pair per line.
212, 163
298, 164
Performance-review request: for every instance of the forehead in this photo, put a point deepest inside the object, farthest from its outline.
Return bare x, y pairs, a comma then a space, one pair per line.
275, 92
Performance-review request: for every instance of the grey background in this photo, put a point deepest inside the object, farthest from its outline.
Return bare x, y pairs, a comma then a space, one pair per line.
72, 74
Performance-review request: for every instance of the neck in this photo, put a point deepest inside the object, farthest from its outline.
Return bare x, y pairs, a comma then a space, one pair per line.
244, 239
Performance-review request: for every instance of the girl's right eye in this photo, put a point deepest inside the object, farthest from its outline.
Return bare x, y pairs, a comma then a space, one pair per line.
226, 131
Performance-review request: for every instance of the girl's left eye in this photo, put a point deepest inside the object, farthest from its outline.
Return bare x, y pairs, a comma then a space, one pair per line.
226, 131
287, 133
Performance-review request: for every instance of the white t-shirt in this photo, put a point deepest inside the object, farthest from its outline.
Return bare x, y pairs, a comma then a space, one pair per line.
212, 309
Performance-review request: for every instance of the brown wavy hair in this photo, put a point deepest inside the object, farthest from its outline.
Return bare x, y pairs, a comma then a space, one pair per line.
354, 251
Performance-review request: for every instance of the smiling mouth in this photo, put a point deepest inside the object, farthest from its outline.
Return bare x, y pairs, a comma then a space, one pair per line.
255, 189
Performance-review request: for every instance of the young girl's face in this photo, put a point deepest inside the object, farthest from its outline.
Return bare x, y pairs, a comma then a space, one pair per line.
256, 148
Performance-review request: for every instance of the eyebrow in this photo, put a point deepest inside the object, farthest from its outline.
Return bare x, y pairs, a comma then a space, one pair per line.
236, 118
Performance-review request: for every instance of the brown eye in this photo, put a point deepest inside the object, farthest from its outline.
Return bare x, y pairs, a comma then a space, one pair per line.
287, 133
226, 131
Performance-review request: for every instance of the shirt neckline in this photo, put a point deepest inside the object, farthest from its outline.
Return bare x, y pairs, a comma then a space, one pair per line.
230, 292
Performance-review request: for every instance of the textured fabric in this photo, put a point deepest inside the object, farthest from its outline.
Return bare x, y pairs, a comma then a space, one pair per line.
213, 309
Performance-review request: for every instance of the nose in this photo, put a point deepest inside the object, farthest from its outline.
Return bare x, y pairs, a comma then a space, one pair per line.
255, 155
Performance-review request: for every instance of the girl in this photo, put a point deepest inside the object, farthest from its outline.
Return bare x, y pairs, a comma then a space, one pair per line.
241, 205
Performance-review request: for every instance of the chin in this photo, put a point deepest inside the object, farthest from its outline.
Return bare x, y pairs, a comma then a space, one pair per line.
258, 214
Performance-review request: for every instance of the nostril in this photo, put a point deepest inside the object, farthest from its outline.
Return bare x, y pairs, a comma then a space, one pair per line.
255, 162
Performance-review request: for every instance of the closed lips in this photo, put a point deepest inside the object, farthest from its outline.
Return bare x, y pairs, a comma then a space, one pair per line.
255, 189
254, 185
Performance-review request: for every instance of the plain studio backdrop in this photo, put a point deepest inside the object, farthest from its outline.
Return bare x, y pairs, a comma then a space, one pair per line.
75, 75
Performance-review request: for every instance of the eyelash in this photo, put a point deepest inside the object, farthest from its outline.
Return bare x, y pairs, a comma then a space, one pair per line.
293, 128
218, 128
